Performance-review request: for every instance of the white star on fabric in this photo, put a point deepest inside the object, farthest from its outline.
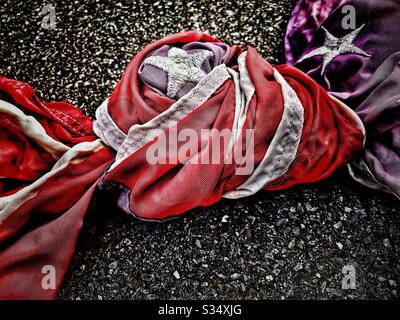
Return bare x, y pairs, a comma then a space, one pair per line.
336, 46
181, 67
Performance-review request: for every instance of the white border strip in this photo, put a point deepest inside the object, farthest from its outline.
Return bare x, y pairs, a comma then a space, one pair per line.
283, 148
139, 135
106, 129
31, 128
74, 155
244, 91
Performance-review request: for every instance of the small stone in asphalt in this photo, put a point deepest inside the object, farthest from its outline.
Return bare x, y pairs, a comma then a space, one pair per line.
296, 231
298, 267
235, 276
269, 278
340, 245
198, 243
225, 219
338, 224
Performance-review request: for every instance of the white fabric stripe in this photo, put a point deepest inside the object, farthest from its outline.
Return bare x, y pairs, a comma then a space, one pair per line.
239, 106
32, 128
74, 155
140, 135
244, 91
106, 129
247, 87
283, 148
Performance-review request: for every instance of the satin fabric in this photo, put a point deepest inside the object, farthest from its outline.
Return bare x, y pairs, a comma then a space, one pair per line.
51, 162
44, 225
369, 85
330, 138
156, 79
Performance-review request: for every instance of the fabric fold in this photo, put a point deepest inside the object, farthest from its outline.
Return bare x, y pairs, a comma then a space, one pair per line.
359, 65
49, 168
192, 120
267, 128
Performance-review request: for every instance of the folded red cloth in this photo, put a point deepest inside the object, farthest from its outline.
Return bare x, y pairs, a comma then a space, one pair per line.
49, 166
300, 133
191, 121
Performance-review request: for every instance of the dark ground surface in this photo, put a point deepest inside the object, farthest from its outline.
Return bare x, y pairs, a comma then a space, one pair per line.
290, 244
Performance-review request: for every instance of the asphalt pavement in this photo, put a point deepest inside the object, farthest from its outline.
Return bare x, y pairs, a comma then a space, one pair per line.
293, 244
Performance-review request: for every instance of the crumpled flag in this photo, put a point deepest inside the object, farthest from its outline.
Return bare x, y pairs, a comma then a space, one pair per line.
360, 66
192, 120
50, 161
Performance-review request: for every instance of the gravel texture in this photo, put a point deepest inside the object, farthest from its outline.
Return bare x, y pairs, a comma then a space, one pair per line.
280, 245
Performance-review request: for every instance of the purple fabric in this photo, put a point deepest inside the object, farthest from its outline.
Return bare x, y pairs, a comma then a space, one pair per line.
369, 85
156, 78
